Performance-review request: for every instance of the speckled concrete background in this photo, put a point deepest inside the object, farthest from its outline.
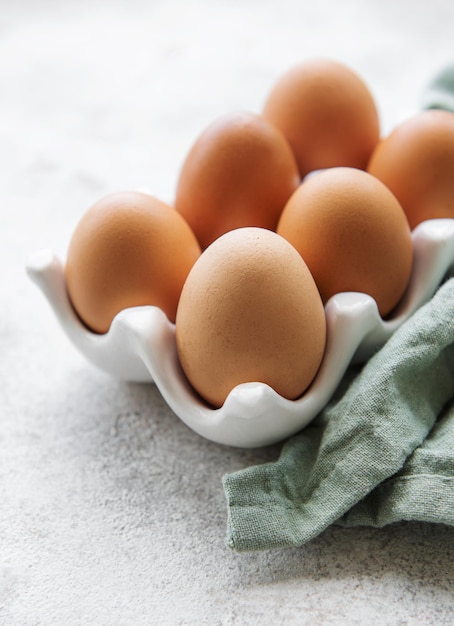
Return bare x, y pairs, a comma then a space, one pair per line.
111, 510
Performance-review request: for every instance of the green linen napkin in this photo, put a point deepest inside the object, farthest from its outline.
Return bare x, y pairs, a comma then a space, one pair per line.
439, 93
382, 451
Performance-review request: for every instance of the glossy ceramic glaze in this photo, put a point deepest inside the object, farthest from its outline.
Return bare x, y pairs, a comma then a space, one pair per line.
140, 346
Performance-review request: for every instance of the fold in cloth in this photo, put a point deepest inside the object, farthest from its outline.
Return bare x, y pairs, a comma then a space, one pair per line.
382, 451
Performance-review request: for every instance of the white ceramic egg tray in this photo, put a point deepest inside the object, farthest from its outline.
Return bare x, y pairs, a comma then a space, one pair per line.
140, 346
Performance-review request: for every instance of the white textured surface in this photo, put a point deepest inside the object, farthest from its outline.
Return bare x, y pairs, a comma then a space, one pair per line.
112, 511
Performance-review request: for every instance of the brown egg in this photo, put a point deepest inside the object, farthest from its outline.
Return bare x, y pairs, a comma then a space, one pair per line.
327, 114
352, 233
129, 249
250, 312
416, 161
240, 172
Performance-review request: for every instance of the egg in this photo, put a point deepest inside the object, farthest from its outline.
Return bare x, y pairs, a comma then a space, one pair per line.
416, 161
239, 172
250, 312
129, 249
352, 233
326, 112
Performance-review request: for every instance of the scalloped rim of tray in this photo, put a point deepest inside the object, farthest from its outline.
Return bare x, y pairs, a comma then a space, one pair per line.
140, 346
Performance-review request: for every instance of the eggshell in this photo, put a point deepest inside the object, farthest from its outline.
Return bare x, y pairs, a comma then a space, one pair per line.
240, 172
416, 161
327, 113
250, 312
352, 233
129, 249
